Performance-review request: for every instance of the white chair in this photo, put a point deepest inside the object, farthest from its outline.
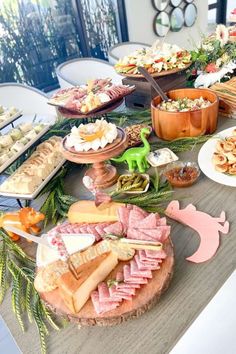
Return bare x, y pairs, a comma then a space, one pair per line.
79, 71
28, 99
120, 50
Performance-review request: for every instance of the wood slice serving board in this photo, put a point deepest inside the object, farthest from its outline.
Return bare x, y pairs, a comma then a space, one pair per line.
145, 298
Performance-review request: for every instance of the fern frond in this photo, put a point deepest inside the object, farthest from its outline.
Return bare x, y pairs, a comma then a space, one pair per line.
3, 271
46, 313
28, 293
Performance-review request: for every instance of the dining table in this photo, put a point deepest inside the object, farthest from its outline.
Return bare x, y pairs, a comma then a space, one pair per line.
191, 289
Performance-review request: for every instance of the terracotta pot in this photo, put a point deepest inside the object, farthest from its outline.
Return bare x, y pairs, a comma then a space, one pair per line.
173, 125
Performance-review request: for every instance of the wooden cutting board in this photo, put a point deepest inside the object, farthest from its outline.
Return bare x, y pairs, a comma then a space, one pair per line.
145, 298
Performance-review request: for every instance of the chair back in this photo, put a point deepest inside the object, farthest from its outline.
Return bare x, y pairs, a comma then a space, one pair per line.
28, 99
120, 50
79, 71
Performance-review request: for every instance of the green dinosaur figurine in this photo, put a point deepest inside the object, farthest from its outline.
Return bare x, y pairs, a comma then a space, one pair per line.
136, 156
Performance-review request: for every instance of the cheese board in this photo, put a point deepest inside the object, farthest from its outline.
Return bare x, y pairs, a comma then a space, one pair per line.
158, 74
146, 297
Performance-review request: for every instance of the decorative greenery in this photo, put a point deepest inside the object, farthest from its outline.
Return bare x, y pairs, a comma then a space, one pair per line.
17, 273
181, 144
57, 202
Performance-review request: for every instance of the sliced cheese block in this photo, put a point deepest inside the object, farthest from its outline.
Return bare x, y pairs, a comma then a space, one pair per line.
76, 293
87, 212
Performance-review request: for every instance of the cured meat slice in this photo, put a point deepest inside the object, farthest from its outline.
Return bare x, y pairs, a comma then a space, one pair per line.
121, 285
155, 234
160, 221
102, 307
134, 218
116, 294
92, 230
135, 272
100, 229
115, 229
143, 212
148, 223
155, 254
128, 278
103, 292
165, 232
138, 235
123, 215
84, 229
142, 266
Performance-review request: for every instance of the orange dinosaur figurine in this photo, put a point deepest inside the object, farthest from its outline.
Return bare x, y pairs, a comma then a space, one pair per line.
25, 219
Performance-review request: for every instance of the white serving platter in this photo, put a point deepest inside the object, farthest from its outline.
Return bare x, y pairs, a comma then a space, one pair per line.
38, 190
205, 160
10, 119
26, 147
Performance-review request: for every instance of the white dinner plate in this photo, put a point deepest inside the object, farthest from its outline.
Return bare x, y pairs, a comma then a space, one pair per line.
205, 159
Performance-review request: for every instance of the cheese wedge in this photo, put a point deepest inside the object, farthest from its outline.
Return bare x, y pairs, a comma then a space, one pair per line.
76, 292
87, 212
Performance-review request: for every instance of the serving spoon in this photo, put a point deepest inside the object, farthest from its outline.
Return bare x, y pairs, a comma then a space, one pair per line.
153, 83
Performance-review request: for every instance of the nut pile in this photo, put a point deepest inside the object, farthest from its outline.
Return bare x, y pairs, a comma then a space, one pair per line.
133, 133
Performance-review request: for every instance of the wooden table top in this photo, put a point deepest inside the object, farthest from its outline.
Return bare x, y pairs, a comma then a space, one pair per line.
192, 287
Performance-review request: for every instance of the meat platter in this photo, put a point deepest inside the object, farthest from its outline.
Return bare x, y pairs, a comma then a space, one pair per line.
130, 286
91, 98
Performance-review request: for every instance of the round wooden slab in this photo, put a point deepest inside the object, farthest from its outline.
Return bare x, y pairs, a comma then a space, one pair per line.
161, 73
145, 298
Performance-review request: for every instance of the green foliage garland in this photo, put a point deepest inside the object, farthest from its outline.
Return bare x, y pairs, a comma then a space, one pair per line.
17, 272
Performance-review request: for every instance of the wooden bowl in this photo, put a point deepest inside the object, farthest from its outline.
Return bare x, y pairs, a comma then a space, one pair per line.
173, 125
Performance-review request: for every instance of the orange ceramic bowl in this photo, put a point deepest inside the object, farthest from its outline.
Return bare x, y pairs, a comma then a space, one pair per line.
172, 125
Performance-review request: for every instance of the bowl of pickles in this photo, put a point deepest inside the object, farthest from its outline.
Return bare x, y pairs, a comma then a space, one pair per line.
134, 183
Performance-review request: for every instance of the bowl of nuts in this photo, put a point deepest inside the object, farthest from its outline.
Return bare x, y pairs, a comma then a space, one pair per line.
133, 134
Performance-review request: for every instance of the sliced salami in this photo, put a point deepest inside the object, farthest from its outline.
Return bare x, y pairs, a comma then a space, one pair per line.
148, 223
136, 272
123, 215
134, 218
115, 229
128, 278
102, 307
103, 292
155, 254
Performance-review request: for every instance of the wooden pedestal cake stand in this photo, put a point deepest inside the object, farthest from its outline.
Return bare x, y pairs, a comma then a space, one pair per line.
145, 298
103, 174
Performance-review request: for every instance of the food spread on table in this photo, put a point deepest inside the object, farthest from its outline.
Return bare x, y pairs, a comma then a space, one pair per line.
155, 59
27, 178
15, 140
182, 174
224, 158
183, 104
8, 113
161, 157
90, 97
91, 136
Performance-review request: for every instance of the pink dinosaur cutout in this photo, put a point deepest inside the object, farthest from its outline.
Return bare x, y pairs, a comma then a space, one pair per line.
208, 228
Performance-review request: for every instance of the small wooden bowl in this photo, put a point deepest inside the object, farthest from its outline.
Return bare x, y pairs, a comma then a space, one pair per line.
172, 125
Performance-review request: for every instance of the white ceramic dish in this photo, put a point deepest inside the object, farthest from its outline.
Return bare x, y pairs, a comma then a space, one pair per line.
172, 157
26, 147
138, 192
10, 120
38, 190
205, 157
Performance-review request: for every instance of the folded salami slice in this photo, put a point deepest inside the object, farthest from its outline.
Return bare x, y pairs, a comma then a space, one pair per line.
150, 222
160, 221
103, 292
123, 215
128, 278
135, 216
102, 307
91, 229
155, 254
143, 212
142, 266
115, 229
136, 272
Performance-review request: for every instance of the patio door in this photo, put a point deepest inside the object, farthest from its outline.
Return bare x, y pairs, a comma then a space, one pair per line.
217, 10
37, 35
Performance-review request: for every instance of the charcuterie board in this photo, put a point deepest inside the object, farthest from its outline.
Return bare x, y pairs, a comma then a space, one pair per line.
146, 297
158, 74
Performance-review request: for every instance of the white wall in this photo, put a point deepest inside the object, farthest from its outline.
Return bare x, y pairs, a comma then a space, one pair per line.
140, 17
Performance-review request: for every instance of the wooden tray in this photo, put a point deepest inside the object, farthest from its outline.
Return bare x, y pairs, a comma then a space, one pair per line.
75, 115
161, 73
146, 297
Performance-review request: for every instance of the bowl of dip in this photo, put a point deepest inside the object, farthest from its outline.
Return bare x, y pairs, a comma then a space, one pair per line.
189, 112
182, 174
